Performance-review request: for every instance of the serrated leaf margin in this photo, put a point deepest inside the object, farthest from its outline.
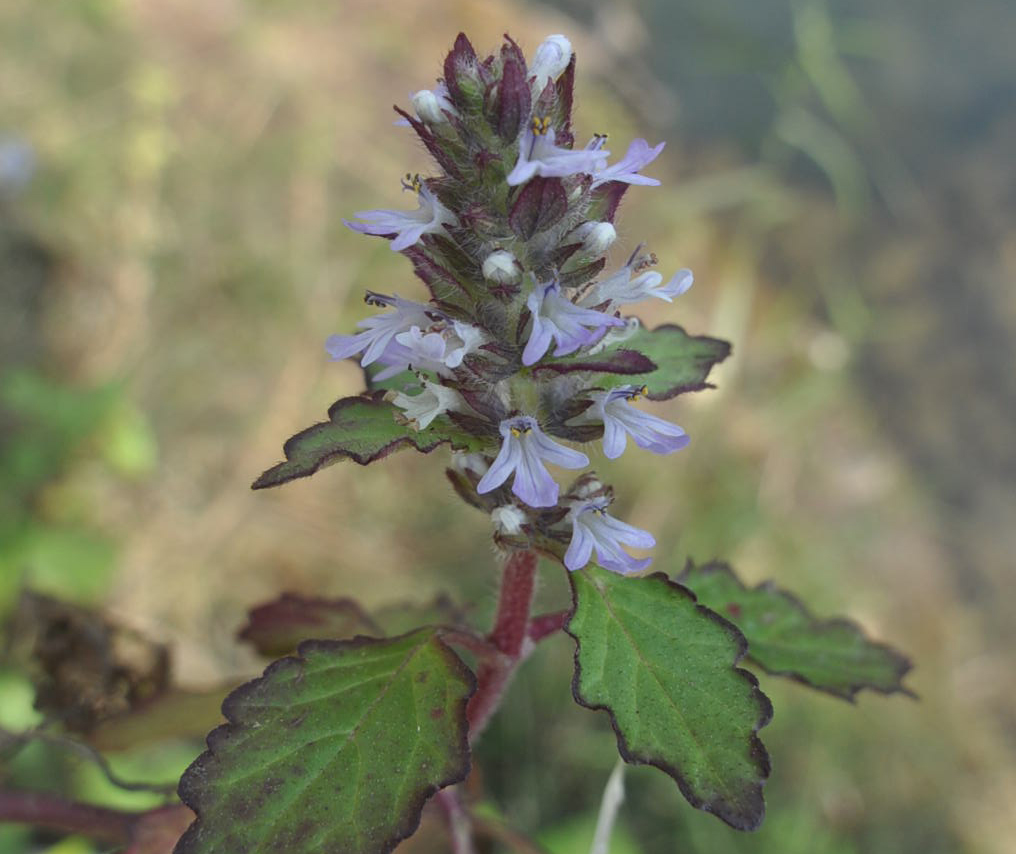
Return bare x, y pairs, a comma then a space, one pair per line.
219, 735
902, 663
758, 750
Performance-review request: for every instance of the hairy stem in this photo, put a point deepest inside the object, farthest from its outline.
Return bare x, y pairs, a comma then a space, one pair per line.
511, 626
460, 827
546, 624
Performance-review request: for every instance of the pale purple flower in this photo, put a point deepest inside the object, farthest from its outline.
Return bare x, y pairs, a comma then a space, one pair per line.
440, 347
421, 409
557, 318
539, 156
594, 529
621, 288
379, 331
407, 226
524, 451
626, 169
621, 419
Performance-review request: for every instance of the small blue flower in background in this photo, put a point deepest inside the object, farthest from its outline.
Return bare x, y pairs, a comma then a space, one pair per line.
524, 450
595, 529
17, 164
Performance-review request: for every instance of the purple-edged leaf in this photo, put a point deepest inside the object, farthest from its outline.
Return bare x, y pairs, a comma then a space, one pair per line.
446, 291
604, 201
664, 668
459, 65
335, 749
583, 274
541, 203
785, 639
277, 627
431, 143
514, 100
362, 429
564, 91
608, 362
683, 361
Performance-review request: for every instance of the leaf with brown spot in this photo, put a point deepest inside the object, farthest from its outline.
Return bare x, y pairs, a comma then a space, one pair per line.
335, 749
785, 639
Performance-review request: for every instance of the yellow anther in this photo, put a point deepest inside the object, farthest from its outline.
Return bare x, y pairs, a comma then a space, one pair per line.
412, 182
645, 262
516, 432
540, 125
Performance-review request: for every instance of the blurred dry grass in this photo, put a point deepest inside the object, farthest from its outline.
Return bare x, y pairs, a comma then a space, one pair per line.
195, 161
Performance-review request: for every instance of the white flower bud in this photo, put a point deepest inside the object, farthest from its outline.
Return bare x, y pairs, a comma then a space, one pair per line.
508, 519
596, 237
501, 268
463, 462
551, 59
428, 107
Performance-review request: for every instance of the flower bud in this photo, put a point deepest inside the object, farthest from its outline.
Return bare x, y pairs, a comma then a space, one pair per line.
429, 106
501, 268
508, 519
596, 237
551, 58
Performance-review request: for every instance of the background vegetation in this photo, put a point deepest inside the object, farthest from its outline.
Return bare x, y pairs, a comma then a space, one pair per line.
173, 175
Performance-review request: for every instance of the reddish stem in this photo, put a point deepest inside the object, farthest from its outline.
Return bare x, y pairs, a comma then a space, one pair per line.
511, 625
516, 597
546, 624
460, 826
108, 826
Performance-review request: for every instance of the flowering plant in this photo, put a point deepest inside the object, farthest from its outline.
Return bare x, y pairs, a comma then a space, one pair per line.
522, 352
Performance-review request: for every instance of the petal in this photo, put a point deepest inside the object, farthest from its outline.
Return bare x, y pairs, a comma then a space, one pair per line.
622, 532
580, 549
615, 440
539, 341
547, 449
344, 346
648, 431
680, 282
504, 464
408, 237
533, 483
621, 562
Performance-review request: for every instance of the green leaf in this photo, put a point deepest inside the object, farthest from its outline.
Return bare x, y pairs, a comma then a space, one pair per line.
363, 429
663, 667
786, 640
682, 361
334, 750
